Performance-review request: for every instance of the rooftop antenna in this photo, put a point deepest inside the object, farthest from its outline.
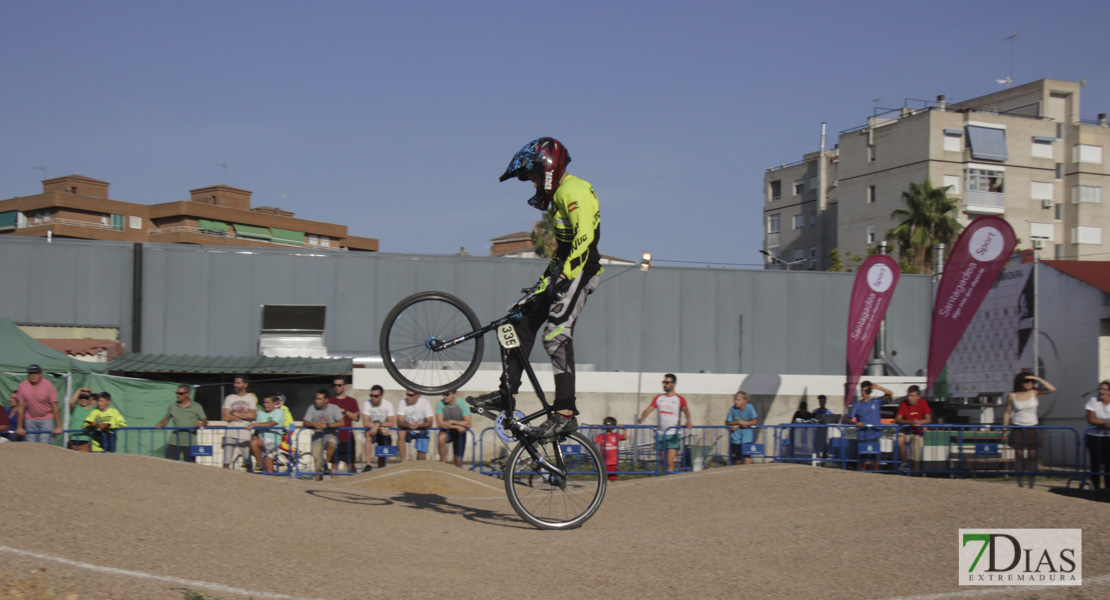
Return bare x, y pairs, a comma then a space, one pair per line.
43, 169
225, 171
1010, 78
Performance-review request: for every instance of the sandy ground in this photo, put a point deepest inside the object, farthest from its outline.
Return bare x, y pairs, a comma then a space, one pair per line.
80, 526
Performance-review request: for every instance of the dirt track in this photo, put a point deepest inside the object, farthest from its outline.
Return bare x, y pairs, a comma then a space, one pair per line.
426, 529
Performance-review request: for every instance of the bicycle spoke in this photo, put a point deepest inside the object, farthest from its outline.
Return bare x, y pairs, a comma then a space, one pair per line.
551, 502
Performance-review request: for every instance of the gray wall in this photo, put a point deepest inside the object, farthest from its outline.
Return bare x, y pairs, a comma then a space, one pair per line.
206, 300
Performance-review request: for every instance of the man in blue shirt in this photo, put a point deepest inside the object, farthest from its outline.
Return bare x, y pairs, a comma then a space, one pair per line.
866, 415
741, 417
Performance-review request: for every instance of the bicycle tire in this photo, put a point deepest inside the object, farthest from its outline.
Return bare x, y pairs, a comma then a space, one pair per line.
546, 505
404, 338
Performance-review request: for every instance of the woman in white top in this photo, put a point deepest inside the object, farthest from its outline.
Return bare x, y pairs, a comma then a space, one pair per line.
1021, 413
1098, 435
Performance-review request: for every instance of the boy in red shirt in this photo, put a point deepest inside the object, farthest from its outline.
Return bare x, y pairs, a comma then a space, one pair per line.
609, 441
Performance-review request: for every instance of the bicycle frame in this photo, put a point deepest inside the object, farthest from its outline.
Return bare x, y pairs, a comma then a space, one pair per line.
517, 426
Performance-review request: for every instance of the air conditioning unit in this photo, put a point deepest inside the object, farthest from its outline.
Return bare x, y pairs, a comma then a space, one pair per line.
1047, 203
1038, 244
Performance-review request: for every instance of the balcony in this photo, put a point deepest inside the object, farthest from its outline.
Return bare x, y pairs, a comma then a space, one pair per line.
984, 203
48, 221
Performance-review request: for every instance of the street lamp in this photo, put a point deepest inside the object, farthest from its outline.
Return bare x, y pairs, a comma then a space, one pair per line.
645, 266
773, 257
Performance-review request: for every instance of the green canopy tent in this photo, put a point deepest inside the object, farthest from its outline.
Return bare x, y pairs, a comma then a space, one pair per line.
142, 402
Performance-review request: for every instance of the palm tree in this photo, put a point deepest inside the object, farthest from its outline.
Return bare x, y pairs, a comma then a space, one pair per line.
543, 235
926, 221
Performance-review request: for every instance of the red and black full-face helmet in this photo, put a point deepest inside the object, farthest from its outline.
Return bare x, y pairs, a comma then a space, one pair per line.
544, 155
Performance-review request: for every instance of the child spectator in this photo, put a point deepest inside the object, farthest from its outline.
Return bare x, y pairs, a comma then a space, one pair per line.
81, 404
265, 443
103, 422
609, 440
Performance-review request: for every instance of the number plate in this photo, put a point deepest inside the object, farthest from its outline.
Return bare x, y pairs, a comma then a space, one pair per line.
506, 336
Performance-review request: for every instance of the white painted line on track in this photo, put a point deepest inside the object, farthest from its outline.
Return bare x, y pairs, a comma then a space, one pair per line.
402, 472
140, 575
983, 592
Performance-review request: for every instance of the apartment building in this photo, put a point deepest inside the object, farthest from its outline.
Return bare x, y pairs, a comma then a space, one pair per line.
1022, 153
76, 206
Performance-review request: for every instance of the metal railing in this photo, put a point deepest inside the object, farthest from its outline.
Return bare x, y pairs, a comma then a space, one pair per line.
640, 450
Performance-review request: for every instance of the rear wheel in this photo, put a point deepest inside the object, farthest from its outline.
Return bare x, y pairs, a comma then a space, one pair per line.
412, 329
548, 501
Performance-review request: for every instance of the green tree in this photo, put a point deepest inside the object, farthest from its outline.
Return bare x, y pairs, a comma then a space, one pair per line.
927, 220
543, 235
834, 261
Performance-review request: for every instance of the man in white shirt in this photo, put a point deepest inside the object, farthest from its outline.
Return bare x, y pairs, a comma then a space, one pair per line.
239, 409
377, 417
414, 416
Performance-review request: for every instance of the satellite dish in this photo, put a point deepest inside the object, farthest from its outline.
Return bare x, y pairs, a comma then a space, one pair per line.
1083, 82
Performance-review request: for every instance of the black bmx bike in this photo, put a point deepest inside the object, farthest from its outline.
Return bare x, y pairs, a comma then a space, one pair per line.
432, 342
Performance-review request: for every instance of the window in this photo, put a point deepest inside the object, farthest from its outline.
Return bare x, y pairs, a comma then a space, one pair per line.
953, 140
870, 194
1086, 235
112, 221
812, 217
8, 220
135, 222
799, 187
1086, 194
986, 180
871, 153
1059, 253
776, 189
325, 242
871, 234
1041, 190
1059, 212
799, 255
813, 253
799, 221
1042, 147
773, 223
1041, 231
952, 182
1086, 153
987, 143
1059, 171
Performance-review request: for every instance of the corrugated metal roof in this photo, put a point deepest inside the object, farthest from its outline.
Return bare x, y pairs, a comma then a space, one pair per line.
246, 365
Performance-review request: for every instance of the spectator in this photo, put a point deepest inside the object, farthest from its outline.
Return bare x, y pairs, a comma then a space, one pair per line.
239, 409
183, 413
345, 450
414, 418
821, 411
609, 441
453, 419
5, 426
323, 419
12, 416
741, 418
1098, 436
912, 412
802, 415
866, 415
669, 405
81, 405
377, 418
287, 420
1021, 412
104, 421
265, 443
39, 417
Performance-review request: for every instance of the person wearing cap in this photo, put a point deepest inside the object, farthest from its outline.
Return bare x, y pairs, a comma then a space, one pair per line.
81, 405
40, 418
279, 401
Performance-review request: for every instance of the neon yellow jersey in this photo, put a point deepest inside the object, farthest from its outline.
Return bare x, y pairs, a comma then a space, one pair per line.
288, 417
577, 217
112, 417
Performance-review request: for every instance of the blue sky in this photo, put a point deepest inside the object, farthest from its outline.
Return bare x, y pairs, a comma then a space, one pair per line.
396, 118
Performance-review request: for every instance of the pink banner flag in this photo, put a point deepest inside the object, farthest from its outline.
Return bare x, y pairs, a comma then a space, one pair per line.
875, 282
973, 266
